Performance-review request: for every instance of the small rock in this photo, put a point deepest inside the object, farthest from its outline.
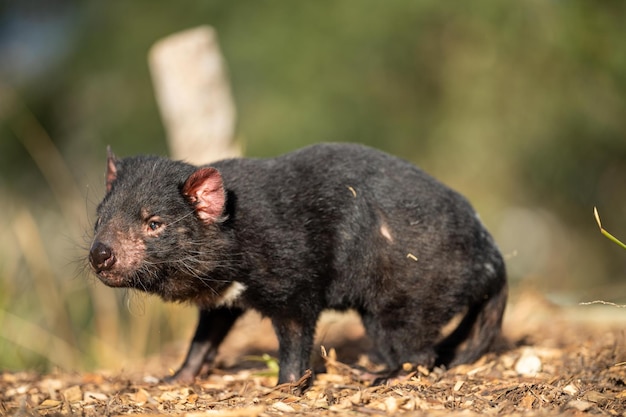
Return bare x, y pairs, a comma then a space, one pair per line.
570, 389
528, 364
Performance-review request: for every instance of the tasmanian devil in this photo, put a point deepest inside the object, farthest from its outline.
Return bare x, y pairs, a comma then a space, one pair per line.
331, 226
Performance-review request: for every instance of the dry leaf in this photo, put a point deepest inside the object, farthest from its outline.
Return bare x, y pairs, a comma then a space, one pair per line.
50, 404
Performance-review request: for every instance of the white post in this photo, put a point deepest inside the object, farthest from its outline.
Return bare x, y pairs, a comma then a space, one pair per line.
194, 97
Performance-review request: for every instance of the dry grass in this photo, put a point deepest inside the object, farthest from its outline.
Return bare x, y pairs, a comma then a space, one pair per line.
52, 313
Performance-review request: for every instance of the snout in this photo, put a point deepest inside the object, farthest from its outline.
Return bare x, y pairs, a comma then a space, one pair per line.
101, 257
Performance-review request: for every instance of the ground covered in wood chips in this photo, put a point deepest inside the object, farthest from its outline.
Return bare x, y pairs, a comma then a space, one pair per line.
567, 361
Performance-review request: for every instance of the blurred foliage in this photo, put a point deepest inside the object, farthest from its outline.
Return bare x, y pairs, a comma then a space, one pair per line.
518, 105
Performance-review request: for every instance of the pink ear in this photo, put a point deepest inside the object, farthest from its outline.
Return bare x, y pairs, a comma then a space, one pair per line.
111, 169
204, 188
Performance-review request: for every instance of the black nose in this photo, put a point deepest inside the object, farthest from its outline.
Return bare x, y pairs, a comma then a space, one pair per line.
101, 257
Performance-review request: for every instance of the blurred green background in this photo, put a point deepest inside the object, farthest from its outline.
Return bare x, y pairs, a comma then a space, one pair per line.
521, 106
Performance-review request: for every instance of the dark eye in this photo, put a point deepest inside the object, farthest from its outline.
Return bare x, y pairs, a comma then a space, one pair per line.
154, 225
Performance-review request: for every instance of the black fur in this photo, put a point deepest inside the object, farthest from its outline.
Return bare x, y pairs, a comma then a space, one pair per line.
331, 226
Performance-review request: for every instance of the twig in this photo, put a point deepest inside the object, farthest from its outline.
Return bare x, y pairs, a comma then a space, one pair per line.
608, 303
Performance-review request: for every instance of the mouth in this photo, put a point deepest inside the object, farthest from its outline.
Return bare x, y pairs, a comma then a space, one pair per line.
112, 280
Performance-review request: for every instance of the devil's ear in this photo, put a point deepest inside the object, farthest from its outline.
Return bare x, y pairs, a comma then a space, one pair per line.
205, 190
111, 169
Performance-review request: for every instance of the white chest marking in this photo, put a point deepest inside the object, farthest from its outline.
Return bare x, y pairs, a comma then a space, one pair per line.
230, 295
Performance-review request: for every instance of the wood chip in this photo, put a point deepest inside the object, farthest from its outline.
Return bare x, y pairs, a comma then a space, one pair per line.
579, 405
578, 375
72, 394
281, 406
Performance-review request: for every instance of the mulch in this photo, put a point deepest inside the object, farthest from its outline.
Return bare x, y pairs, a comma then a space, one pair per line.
568, 361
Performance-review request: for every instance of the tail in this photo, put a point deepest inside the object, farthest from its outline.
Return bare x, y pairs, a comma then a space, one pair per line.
478, 333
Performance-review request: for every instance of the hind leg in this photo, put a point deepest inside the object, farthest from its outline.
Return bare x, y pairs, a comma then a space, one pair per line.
400, 337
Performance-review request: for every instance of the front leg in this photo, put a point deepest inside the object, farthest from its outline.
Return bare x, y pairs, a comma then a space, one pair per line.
213, 326
295, 340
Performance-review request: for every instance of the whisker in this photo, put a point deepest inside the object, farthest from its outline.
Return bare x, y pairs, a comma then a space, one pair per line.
183, 217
